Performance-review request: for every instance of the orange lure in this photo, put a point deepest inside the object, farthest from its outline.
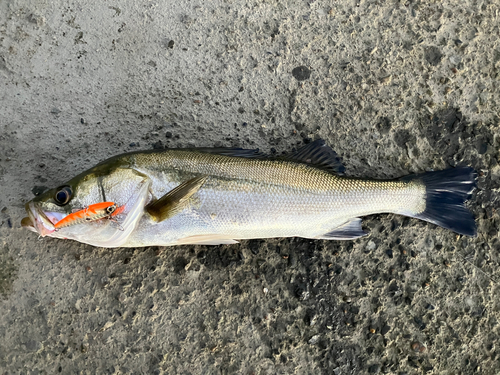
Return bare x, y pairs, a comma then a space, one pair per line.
93, 212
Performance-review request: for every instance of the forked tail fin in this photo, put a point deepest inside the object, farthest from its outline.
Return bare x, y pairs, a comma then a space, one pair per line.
446, 193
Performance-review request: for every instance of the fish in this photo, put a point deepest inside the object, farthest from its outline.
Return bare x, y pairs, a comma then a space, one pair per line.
216, 196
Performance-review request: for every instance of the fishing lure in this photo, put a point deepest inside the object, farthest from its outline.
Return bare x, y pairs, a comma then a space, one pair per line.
93, 212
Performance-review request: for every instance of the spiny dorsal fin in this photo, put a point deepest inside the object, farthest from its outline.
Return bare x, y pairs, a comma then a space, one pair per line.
320, 155
175, 200
229, 151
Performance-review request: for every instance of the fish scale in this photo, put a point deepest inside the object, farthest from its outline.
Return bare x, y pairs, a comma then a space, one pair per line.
269, 198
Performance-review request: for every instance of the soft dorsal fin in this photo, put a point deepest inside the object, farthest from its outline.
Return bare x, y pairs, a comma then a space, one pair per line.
175, 200
320, 155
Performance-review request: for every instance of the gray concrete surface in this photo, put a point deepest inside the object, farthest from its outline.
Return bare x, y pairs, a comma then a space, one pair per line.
394, 87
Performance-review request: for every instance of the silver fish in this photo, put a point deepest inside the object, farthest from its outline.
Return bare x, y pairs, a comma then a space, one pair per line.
219, 196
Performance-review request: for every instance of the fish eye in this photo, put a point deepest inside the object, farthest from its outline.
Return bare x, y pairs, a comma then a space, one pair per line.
110, 209
63, 195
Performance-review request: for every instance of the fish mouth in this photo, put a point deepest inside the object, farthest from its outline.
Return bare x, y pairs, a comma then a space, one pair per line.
37, 221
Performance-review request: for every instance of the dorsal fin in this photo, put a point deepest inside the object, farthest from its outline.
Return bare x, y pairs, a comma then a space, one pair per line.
320, 155
229, 151
316, 153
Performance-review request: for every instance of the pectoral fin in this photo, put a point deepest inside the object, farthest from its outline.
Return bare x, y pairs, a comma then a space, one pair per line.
348, 231
175, 200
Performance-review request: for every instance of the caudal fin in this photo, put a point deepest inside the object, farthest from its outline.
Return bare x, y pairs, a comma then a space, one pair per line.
446, 193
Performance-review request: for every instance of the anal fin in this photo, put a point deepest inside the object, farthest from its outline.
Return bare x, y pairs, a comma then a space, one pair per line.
347, 231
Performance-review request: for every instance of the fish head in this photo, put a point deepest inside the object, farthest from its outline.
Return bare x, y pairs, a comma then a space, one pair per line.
127, 188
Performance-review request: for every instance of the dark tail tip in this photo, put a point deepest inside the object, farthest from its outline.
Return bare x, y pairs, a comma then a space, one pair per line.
446, 194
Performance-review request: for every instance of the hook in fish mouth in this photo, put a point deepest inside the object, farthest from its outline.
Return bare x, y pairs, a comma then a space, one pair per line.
37, 221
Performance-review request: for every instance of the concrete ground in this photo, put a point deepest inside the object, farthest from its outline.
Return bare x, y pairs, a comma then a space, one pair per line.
394, 87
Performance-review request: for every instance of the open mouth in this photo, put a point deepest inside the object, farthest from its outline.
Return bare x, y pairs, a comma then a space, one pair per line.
37, 221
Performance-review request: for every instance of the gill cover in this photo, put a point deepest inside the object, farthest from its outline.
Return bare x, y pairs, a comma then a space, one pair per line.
116, 234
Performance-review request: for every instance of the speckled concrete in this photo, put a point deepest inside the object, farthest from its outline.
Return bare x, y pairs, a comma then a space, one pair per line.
394, 87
